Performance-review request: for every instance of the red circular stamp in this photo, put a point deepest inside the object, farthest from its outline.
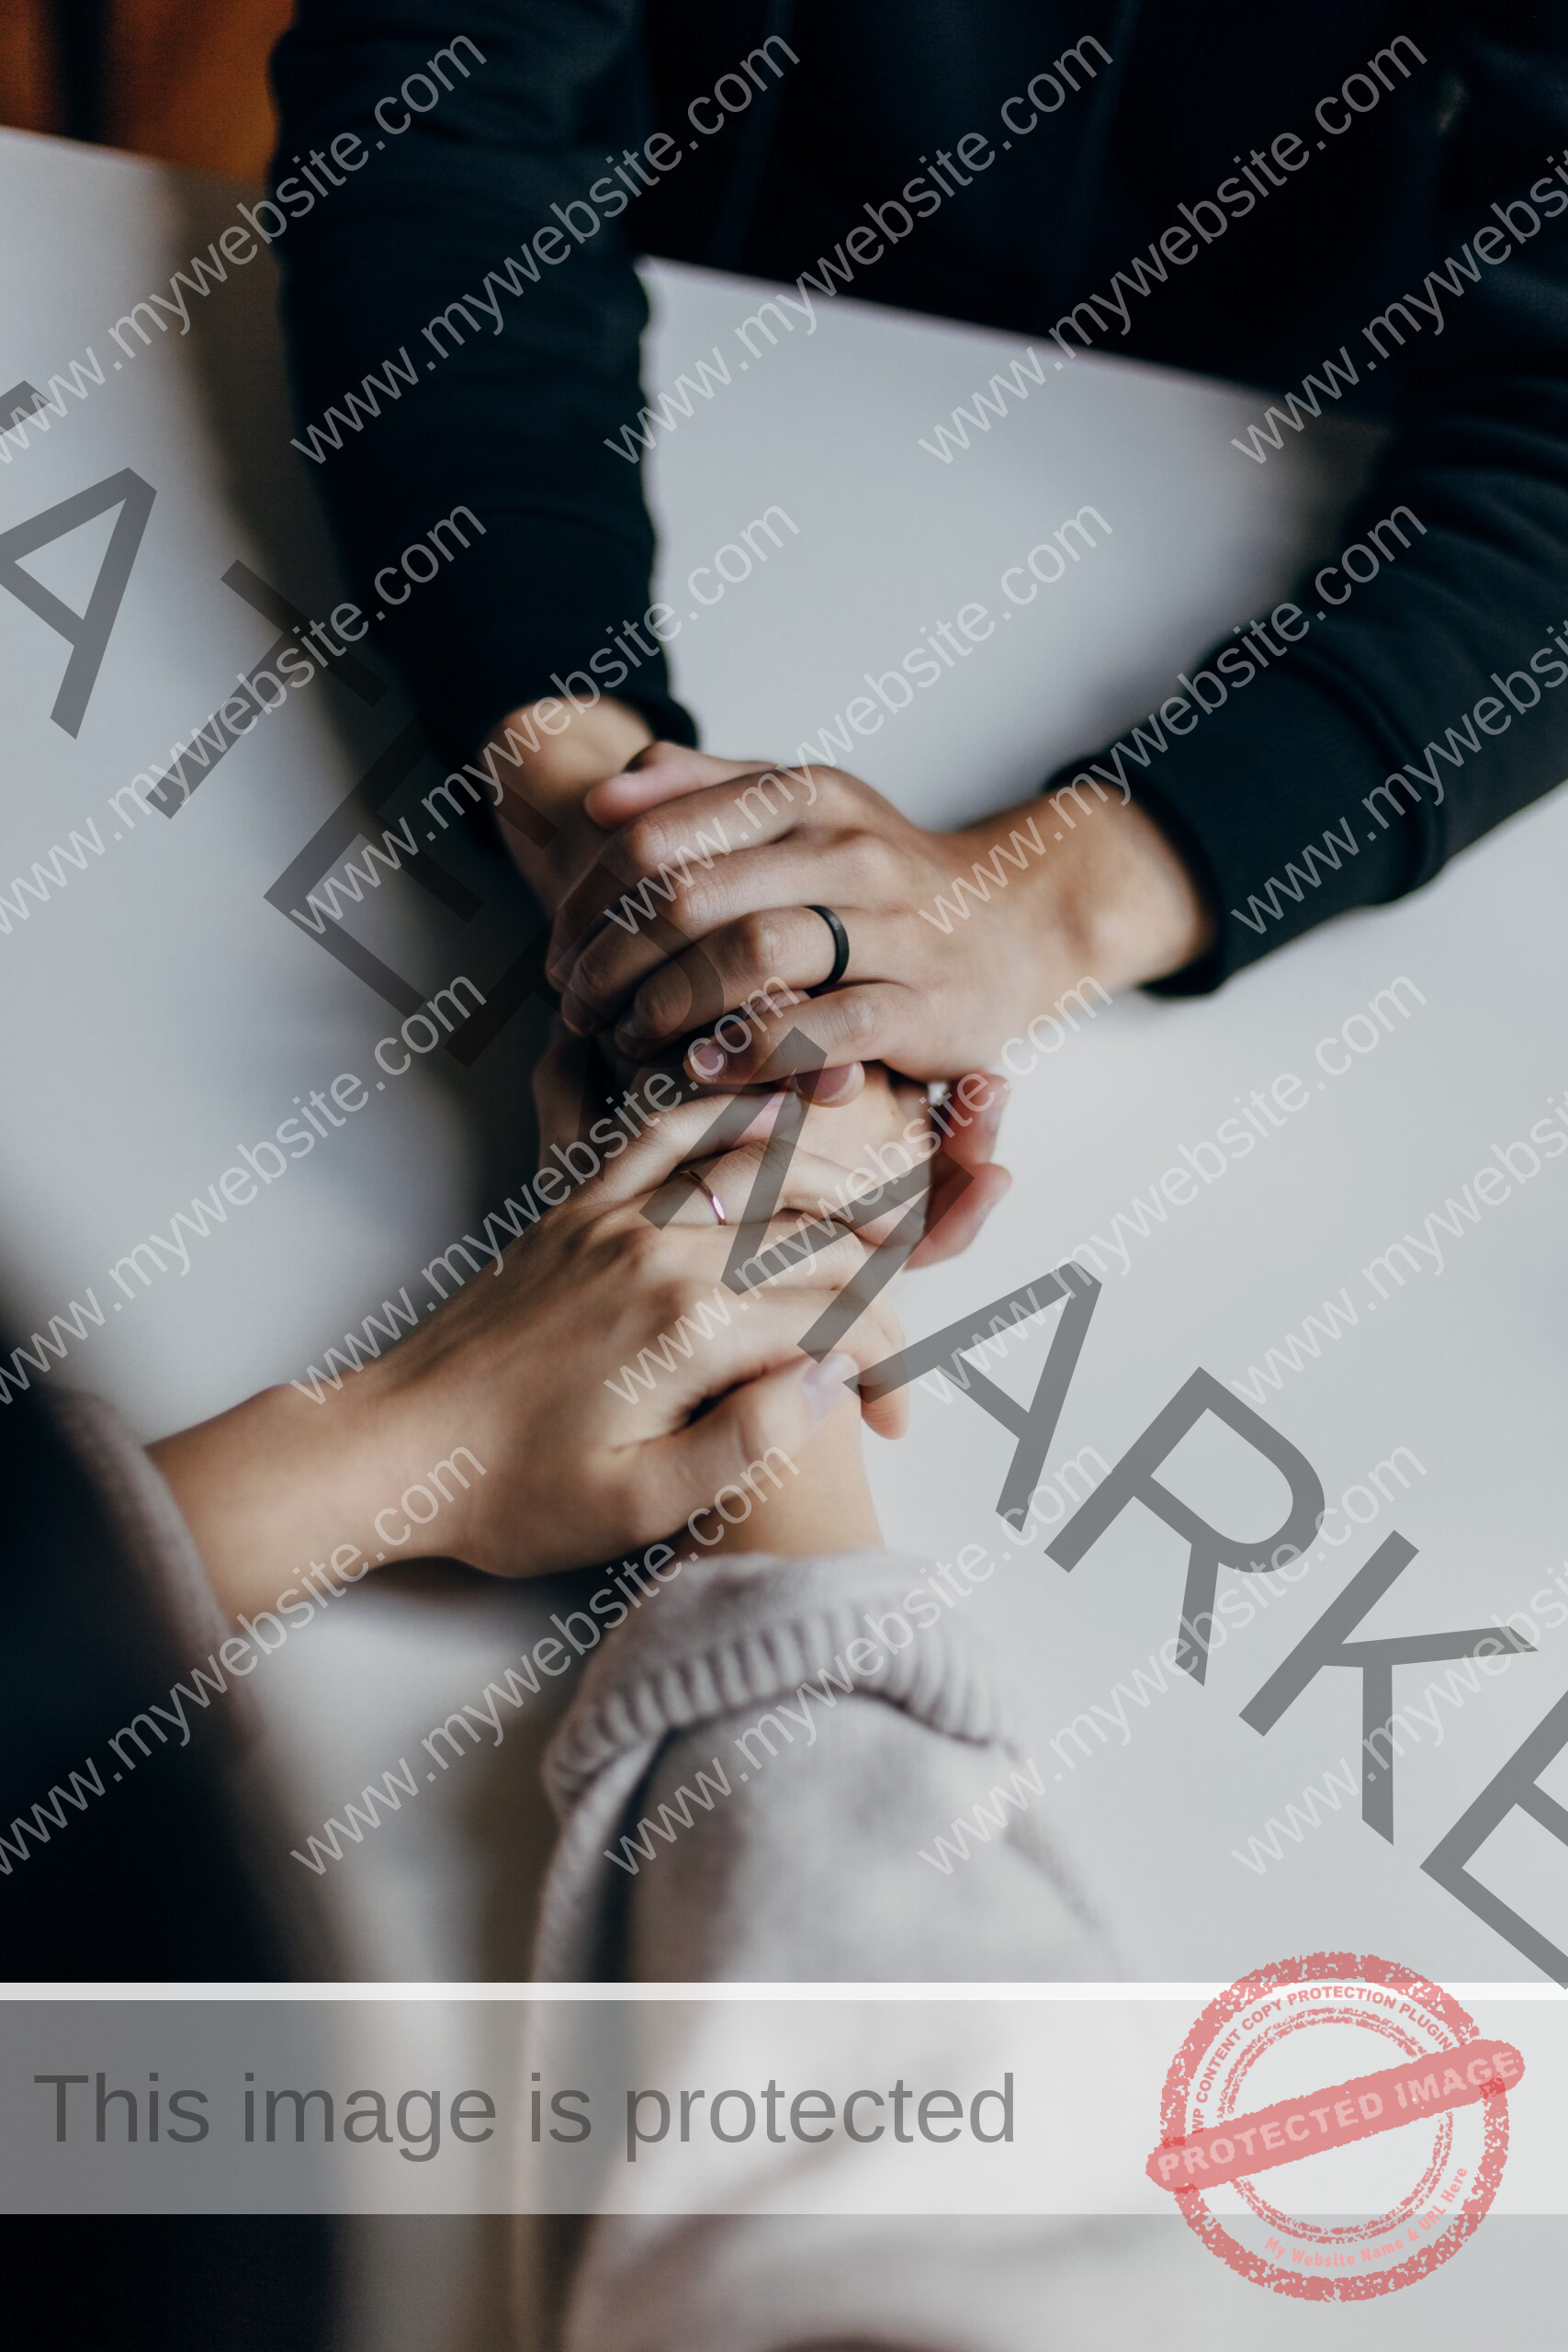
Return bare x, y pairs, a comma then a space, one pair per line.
1385, 2168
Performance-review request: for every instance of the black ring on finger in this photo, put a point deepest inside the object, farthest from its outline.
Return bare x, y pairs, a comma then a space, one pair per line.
841, 951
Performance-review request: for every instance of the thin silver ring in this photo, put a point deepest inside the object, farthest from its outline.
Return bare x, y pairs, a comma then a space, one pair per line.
709, 1195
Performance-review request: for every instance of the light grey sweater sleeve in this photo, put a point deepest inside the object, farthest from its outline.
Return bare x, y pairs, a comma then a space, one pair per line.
758, 1765
745, 1795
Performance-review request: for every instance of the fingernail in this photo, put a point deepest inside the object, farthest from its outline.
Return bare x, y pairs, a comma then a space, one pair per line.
824, 1383
704, 1060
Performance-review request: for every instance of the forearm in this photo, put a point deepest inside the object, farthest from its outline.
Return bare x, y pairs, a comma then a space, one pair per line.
279, 1486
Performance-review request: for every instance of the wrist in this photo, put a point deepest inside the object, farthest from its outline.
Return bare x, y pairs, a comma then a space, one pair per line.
1145, 915
1111, 899
280, 1486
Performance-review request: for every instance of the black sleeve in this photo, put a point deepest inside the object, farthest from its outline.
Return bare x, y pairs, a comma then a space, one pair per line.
485, 376
1296, 760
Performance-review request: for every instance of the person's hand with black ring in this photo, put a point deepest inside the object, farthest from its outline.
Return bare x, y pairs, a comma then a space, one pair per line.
709, 893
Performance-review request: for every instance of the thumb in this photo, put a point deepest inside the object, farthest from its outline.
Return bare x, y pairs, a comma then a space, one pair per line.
779, 1412
661, 772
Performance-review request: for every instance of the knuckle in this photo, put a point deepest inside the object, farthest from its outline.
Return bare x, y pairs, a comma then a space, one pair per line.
664, 1002
578, 1240
740, 1165
640, 1252
646, 842
857, 1020
695, 906
864, 854
595, 1259
759, 941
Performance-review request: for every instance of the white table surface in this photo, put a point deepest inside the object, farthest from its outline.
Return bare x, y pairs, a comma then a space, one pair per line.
158, 1011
